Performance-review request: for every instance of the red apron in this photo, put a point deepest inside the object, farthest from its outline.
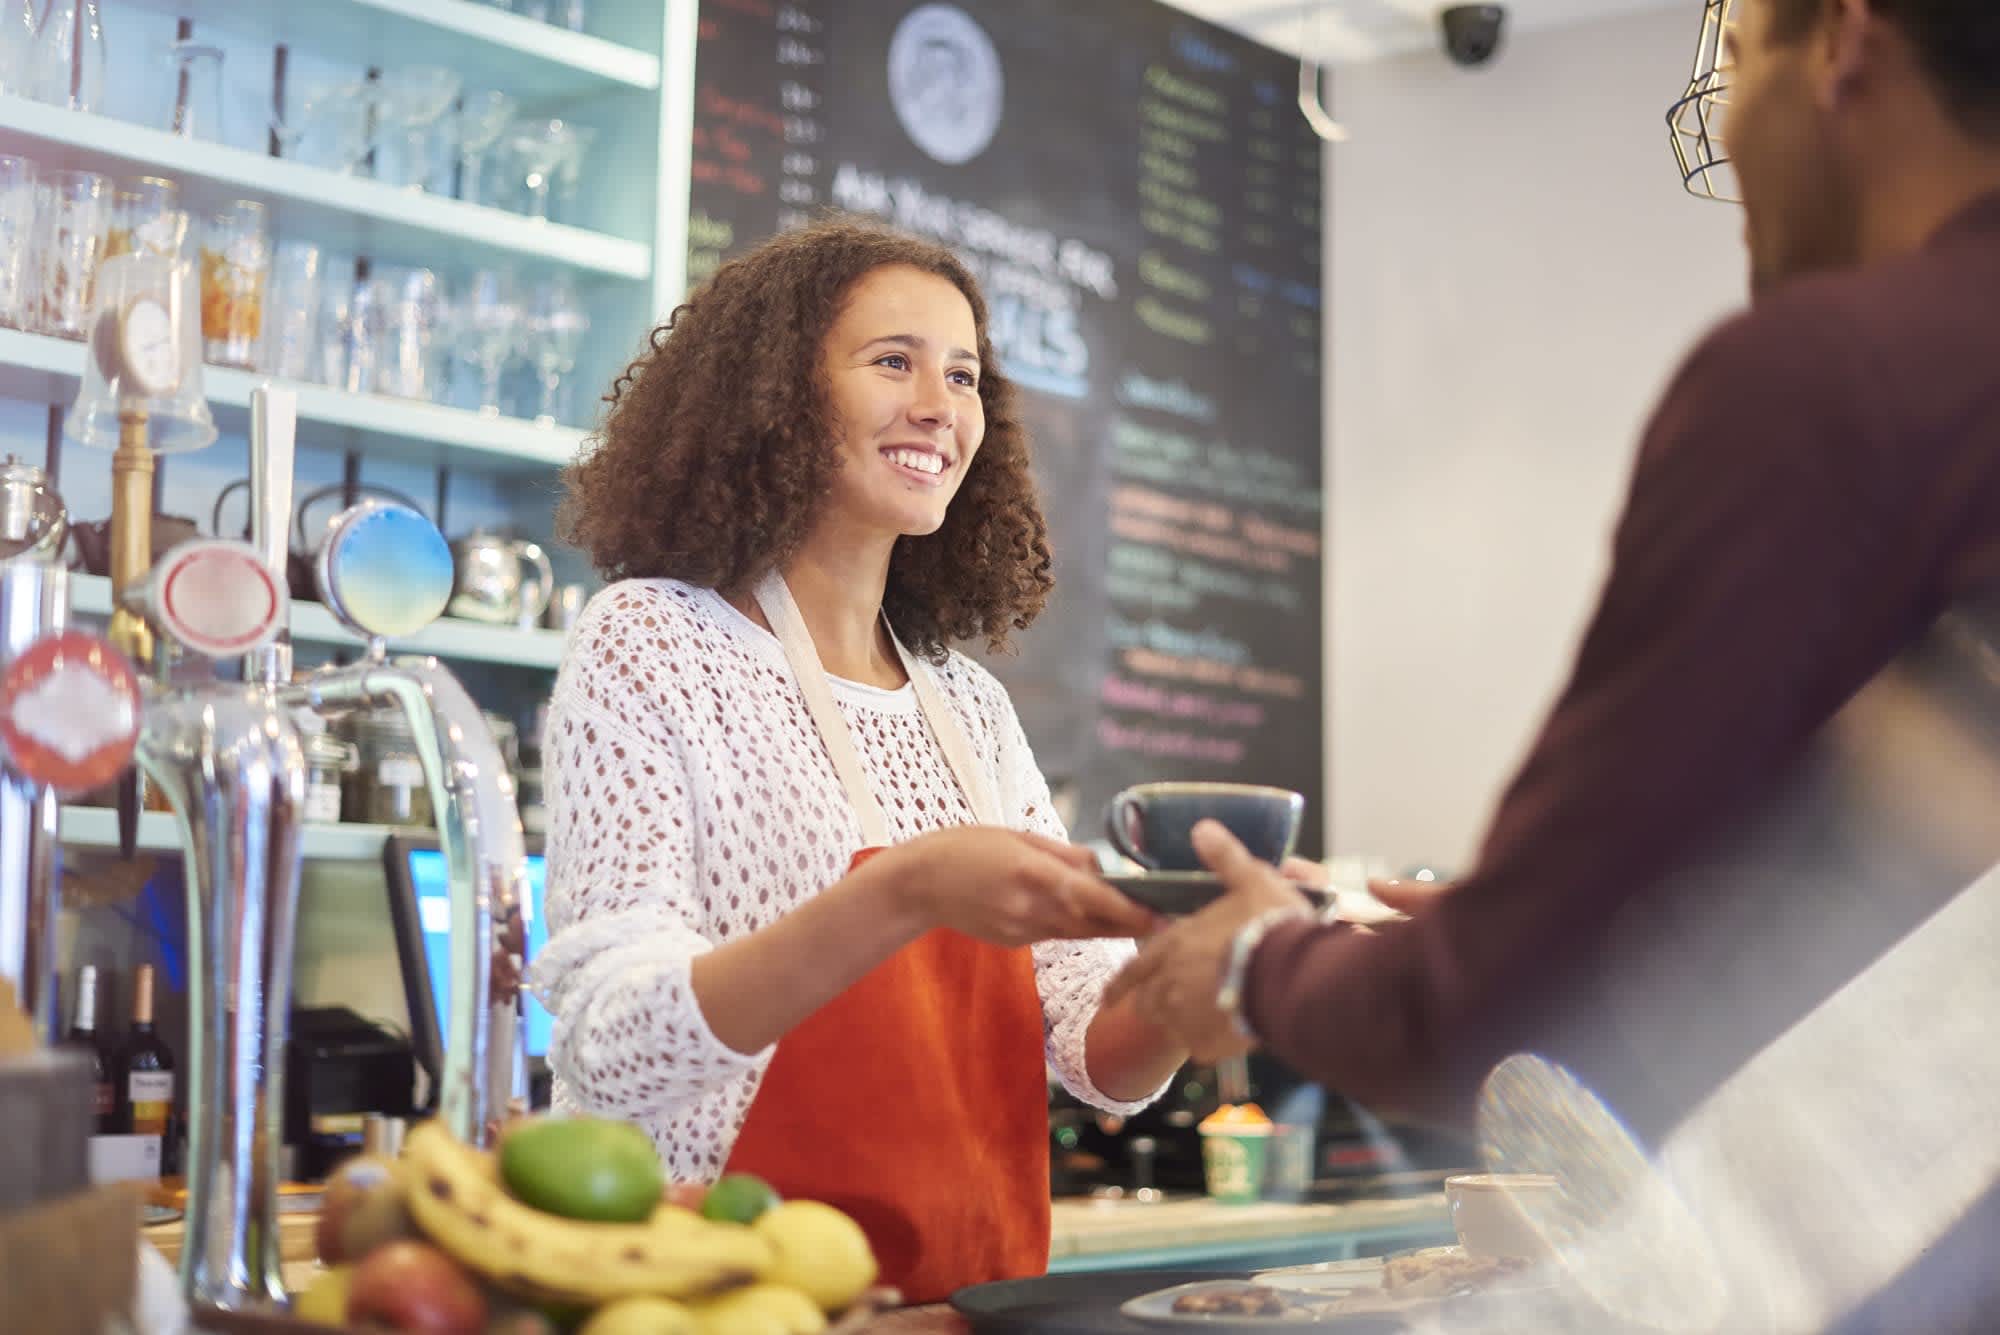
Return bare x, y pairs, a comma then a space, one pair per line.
916, 1100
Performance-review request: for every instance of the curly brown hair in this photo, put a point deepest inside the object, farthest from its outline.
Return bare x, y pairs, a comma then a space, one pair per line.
717, 452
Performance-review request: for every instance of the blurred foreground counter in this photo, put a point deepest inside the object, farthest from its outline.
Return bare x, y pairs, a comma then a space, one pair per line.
1092, 1235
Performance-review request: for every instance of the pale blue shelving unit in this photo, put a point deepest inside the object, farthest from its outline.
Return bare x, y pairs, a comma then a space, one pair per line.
631, 77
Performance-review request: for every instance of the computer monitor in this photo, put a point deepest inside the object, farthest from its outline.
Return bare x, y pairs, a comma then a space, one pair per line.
420, 909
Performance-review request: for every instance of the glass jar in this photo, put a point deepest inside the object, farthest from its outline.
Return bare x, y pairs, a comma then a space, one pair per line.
329, 761
387, 786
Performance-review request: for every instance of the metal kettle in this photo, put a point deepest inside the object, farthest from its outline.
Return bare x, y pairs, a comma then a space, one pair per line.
491, 579
33, 523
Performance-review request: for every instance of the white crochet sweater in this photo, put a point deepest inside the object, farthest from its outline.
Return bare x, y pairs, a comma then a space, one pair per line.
691, 801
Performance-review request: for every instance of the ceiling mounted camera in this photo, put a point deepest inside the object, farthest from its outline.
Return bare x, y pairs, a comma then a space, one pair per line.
1472, 32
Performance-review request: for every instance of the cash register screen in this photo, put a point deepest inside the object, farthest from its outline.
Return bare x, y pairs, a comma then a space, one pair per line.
421, 909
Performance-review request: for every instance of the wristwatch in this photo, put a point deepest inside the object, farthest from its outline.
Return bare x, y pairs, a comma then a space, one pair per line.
1236, 969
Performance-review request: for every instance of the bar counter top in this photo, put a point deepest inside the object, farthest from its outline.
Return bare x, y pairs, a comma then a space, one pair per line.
1109, 1235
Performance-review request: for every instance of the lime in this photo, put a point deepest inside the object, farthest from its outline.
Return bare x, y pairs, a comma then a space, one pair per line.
583, 1168
738, 1198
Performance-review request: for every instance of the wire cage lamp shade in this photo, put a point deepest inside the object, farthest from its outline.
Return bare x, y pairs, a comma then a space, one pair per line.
1696, 120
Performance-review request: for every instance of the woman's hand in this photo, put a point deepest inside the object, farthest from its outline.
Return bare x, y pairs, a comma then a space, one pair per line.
1005, 887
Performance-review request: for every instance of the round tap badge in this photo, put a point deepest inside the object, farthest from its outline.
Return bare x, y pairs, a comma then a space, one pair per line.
69, 712
944, 81
218, 598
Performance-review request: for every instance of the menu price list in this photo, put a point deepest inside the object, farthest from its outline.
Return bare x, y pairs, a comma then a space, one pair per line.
1141, 203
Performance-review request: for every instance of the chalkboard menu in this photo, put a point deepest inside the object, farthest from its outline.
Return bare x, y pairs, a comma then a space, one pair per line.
1141, 201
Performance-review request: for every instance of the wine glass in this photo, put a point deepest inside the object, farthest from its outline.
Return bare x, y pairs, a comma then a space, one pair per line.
556, 325
482, 119
487, 322
414, 99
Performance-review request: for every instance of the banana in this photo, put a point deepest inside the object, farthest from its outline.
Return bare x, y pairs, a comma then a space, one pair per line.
456, 1197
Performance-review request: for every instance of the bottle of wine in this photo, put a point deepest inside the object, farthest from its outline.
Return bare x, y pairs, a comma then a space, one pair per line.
84, 1034
146, 1068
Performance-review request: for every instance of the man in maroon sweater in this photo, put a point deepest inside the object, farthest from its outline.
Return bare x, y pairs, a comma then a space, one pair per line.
1819, 488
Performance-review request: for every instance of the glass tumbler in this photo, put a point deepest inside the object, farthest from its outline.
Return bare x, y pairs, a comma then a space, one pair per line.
72, 217
17, 250
194, 107
291, 339
146, 218
235, 262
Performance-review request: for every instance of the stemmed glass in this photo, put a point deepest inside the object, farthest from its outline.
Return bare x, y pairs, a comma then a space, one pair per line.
414, 99
556, 324
569, 170
488, 324
482, 119
537, 148
335, 119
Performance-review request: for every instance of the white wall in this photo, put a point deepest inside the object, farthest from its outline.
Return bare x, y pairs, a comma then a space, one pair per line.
1514, 273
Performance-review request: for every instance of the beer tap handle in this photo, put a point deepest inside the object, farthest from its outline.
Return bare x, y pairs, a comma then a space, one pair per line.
274, 419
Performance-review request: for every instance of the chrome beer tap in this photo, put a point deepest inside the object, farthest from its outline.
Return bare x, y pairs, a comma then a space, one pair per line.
384, 570
227, 757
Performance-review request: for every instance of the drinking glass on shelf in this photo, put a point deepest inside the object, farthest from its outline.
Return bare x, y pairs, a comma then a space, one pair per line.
17, 47
72, 215
146, 218
291, 334
572, 14
235, 263
536, 148
327, 127
541, 11
556, 325
17, 250
482, 119
351, 335
486, 325
569, 171
414, 99
69, 56
195, 109
412, 310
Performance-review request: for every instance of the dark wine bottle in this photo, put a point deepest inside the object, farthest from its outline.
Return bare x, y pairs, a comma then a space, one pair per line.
146, 1068
86, 1036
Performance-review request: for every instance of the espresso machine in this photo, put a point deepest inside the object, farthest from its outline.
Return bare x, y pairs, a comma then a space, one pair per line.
226, 756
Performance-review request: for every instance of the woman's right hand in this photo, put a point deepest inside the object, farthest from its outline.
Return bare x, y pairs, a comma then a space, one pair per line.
1006, 887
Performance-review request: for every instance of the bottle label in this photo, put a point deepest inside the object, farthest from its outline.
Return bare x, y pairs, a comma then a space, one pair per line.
152, 1097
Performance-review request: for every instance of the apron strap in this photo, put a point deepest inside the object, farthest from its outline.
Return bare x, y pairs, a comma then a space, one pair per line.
775, 600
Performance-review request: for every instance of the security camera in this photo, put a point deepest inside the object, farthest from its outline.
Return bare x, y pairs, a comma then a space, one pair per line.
1472, 32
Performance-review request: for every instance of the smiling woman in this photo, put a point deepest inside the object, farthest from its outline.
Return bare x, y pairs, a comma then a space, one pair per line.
806, 490
724, 438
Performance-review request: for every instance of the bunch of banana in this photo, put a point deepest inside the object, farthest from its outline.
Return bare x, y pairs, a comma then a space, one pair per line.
457, 1198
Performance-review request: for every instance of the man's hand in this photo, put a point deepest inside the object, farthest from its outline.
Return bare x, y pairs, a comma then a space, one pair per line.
1178, 972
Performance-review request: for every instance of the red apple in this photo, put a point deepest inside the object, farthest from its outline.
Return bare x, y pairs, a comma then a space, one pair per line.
414, 1287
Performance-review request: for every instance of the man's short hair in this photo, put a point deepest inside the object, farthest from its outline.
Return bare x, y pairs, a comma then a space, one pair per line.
1958, 42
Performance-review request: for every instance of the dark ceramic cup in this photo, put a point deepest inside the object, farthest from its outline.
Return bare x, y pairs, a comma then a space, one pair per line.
1151, 823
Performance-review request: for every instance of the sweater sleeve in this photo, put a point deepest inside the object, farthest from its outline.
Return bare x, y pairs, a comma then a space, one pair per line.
1071, 975
625, 910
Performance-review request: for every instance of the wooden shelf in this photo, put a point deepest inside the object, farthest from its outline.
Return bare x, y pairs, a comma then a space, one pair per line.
343, 213
499, 49
447, 637
43, 369
97, 827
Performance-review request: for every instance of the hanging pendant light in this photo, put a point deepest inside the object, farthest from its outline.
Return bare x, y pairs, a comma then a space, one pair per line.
1696, 120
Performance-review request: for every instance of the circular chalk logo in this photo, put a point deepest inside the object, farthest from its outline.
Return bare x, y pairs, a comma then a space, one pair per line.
944, 81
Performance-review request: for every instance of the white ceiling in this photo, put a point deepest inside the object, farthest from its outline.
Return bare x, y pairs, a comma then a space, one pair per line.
1343, 31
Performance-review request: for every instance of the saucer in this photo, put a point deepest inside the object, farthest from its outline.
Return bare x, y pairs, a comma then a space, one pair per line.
1177, 893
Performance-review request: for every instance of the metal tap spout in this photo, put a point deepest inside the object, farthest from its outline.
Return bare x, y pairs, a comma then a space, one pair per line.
479, 828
